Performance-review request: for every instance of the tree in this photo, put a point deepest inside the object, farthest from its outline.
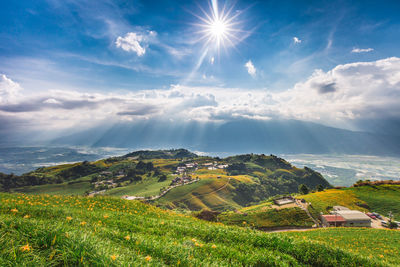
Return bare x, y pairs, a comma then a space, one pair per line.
162, 178
320, 188
303, 189
157, 171
137, 178
141, 165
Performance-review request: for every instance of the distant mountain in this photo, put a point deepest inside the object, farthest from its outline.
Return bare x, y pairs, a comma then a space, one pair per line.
162, 154
289, 136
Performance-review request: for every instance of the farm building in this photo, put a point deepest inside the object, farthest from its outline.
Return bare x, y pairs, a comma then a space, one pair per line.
283, 200
332, 220
354, 218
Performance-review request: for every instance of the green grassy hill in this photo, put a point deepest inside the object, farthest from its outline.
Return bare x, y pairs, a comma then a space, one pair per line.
229, 183
43, 230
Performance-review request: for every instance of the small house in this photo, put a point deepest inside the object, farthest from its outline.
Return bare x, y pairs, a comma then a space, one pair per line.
332, 220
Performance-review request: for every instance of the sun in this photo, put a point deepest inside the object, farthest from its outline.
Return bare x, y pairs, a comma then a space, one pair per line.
219, 27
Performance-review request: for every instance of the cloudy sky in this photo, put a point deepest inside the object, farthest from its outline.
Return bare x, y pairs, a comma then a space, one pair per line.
74, 64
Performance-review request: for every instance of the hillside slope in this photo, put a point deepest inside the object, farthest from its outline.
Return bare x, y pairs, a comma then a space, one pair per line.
52, 230
194, 182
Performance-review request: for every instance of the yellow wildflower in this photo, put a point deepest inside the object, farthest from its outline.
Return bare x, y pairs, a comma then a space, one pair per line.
148, 258
113, 257
127, 237
14, 210
69, 218
27, 216
244, 222
106, 216
194, 239
214, 246
26, 248
83, 223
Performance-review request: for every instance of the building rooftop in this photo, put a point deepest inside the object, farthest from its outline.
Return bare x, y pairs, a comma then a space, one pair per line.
283, 201
340, 208
334, 218
353, 215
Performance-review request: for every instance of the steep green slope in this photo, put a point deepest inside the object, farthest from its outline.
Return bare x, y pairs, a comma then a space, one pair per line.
42, 230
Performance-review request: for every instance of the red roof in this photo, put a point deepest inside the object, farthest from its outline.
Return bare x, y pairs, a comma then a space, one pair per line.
334, 218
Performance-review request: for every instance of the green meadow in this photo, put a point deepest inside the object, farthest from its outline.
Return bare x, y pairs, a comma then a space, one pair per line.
43, 230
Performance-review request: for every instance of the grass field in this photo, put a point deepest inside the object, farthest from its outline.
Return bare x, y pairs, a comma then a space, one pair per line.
381, 199
43, 230
325, 200
267, 219
215, 194
147, 187
76, 187
263, 206
370, 243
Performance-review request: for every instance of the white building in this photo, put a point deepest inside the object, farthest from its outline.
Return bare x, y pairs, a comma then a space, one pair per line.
354, 218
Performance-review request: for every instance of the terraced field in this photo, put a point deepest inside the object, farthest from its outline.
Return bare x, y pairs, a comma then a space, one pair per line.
215, 194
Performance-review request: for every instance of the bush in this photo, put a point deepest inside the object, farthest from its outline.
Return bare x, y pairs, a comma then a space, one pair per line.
392, 225
303, 189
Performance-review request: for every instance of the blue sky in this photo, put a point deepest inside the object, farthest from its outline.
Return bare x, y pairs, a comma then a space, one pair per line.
125, 59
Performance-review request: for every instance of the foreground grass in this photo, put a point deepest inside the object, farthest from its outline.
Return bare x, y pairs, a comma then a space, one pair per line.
42, 230
372, 243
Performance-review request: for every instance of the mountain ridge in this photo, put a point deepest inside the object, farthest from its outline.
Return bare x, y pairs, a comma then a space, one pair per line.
245, 136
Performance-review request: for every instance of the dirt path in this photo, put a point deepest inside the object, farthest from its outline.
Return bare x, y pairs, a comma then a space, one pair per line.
305, 208
290, 230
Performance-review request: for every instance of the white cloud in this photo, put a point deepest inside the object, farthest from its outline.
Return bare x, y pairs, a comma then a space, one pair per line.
362, 50
9, 90
296, 40
361, 90
135, 42
250, 68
